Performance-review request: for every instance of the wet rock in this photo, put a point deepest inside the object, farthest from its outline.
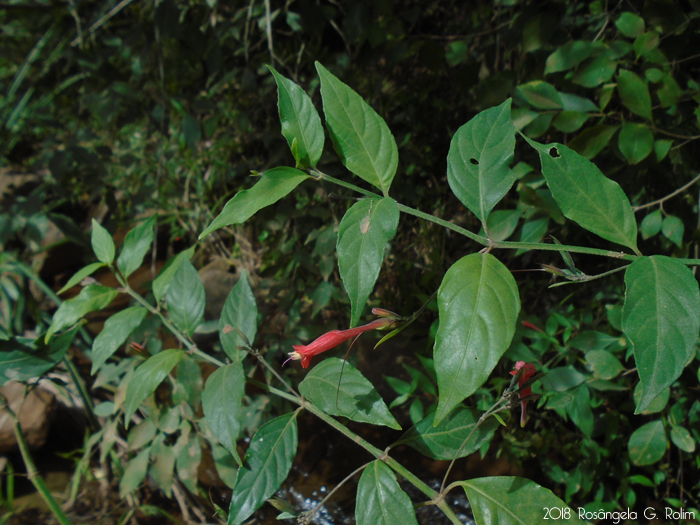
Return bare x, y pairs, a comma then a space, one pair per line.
34, 408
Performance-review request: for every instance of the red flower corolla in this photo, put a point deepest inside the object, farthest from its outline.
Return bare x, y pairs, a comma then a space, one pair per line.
526, 392
332, 339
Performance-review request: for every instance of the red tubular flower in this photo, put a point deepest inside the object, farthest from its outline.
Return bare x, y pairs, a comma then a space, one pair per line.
332, 339
529, 371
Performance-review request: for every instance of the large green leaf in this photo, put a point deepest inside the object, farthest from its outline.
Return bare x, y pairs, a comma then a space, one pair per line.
509, 500
586, 196
360, 136
136, 245
162, 282
357, 398
90, 298
301, 125
117, 328
102, 243
478, 303
477, 163
648, 443
364, 232
443, 441
240, 311
146, 379
635, 142
266, 465
21, 362
272, 186
380, 500
634, 93
186, 298
660, 318
221, 401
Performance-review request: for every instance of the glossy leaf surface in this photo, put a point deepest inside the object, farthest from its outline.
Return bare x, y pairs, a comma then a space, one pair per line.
266, 465
136, 245
240, 311
380, 500
116, 329
360, 136
357, 398
300, 121
477, 163
272, 186
146, 379
364, 232
186, 298
478, 302
660, 318
221, 401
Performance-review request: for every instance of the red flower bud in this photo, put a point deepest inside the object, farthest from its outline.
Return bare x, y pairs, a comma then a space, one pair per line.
526, 392
332, 339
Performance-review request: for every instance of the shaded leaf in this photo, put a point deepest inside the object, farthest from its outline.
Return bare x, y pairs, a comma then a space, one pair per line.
634, 93
648, 444
630, 25
221, 402
240, 311
651, 224
80, 275
116, 329
635, 142
380, 500
90, 298
593, 140
162, 282
135, 473
672, 227
186, 298
102, 243
136, 245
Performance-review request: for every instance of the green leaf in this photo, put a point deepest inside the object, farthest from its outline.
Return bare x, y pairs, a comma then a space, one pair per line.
660, 318
364, 232
135, 473
509, 500
186, 298
116, 329
540, 95
658, 403
226, 467
240, 311
672, 228
136, 245
221, 402
593, 140
80, 275
357, 398
477, 163
564, 378
669, 92
272, 186
360, 136
661, 148
443, 441
595, 71
634, 93
682, 439
603, 364
188, 384
646, 43
380, 500
570, 121
267, 464
533, 231
456, 53
502, 224
162, 282
651, 224
478, 303
630, 25
146, 379
568, 56
19, 362
300, 121
648, 444
142, 434
102, 243
90, 298
586, 196
635, 142
576, 103
187, 463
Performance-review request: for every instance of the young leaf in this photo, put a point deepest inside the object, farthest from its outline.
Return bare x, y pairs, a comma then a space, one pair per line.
146, 379
660, 318
635, 142
443, 441
634, 93
186, 298
586, 196
300, 122
90, 298
221, 402
360, 136
272, 186
267, 464
364, 232
648, 443
116, 329
477, 163
80, 275
357, 398
102, 243
136, 245
240, 311
380, 500
478, 303
509, 500
162, 282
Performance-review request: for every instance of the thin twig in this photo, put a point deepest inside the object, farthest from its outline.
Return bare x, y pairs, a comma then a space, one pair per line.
670, 195
308, 517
